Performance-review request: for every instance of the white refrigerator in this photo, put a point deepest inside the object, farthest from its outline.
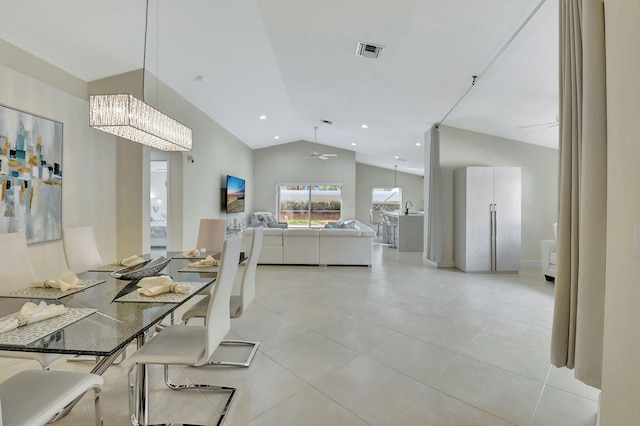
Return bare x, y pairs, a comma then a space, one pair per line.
487, 204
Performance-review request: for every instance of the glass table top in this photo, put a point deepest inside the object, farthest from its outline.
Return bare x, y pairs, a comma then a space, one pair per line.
114, 325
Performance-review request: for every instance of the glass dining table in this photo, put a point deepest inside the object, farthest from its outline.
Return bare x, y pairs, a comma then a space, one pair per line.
108, 331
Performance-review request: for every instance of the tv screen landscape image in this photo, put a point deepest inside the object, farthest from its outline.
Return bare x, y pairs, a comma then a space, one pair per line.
235, 194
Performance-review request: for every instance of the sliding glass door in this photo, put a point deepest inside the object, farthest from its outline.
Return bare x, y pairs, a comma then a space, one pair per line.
309, 205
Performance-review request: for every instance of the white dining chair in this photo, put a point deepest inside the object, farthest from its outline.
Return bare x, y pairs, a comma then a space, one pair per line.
35, 397
191, 345
80, 249
239, 303
211, 234
81, 253
17, 273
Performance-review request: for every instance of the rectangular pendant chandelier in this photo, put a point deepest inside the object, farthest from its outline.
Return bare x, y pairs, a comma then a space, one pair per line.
130, 118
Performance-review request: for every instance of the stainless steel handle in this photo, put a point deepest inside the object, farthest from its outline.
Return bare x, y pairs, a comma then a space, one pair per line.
494, 263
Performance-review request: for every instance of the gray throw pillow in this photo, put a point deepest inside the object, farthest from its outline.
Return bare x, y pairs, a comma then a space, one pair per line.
271, 221
349, 224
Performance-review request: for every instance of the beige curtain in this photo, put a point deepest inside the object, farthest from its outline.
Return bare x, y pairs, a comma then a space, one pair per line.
578, 319
434, 209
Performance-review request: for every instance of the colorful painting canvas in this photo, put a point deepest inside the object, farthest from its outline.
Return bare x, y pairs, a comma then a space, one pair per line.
30, 175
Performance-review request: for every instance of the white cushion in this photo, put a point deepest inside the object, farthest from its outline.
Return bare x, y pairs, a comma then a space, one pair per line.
346, 249
33, 397
300, 246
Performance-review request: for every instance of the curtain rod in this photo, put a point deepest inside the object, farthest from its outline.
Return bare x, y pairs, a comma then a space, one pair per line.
476, 78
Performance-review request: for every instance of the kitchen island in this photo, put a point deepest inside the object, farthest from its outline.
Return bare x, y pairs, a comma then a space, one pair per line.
404, 231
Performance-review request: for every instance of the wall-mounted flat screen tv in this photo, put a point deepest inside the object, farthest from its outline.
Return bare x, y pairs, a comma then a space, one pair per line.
235, 194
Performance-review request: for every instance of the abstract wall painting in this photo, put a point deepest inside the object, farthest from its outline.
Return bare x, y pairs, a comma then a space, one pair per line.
30, 175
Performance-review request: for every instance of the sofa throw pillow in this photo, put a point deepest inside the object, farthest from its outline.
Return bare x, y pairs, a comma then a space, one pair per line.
270, 220
349, 224
255, 223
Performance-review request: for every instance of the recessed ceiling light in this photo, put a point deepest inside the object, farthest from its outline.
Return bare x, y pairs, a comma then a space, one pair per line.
418, 144
263, 117
353, 144
276, 137
364, 126
396, 157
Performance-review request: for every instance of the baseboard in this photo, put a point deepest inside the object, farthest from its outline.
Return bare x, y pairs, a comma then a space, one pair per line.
523, 264
530, 264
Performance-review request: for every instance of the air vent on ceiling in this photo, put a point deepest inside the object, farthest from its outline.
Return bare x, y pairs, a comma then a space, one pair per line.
368, 50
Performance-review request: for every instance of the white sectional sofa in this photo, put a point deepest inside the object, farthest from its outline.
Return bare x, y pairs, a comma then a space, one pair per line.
325, 246
548, 255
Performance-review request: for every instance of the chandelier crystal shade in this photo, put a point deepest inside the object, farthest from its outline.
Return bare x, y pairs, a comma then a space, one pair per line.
130, 118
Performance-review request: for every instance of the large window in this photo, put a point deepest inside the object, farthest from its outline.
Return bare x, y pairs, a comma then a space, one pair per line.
309, 205
386, 199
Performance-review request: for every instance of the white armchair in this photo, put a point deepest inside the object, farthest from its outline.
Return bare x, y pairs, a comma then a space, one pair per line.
548, 255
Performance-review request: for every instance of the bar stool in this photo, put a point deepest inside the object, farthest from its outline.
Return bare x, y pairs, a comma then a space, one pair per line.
375, 217
393, 225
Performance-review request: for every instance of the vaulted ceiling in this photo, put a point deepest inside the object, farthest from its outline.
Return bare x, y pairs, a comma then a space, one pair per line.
294, 62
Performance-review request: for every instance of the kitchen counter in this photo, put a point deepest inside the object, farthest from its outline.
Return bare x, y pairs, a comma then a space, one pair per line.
408, 234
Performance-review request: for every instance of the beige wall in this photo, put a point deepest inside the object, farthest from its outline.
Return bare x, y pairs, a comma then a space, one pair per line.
621, 370
288, 163
89, 179
194, 187
369, 176
459, 148
106, 180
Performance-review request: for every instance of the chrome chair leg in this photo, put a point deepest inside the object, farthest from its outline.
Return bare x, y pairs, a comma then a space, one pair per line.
98, 406
244, 364
134, 388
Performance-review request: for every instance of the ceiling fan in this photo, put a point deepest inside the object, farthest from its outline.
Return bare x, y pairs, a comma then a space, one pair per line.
315, 154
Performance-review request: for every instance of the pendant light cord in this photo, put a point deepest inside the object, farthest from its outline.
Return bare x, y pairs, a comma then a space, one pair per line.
476, 78
144, 55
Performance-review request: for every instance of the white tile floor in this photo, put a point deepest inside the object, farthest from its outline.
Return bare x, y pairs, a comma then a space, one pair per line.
399, 343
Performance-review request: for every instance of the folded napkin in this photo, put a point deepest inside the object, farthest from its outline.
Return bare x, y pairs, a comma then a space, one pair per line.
207, 262
129, 261
30, 313
152, 286
65, 281
191, 253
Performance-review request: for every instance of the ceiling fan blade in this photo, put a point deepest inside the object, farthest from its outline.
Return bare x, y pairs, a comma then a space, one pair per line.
329, 155
321, 157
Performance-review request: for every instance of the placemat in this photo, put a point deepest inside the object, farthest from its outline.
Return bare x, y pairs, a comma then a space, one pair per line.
50, 293
136, 297
30, 333
202, 256
192, 269
106, 268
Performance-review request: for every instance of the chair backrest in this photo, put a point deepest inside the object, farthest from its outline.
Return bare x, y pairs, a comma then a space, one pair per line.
211, 234
375, 217
80, 249
15, 267
218, 321
248, 284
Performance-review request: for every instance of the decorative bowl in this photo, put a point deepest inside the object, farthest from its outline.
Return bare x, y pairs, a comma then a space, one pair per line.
147, 268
